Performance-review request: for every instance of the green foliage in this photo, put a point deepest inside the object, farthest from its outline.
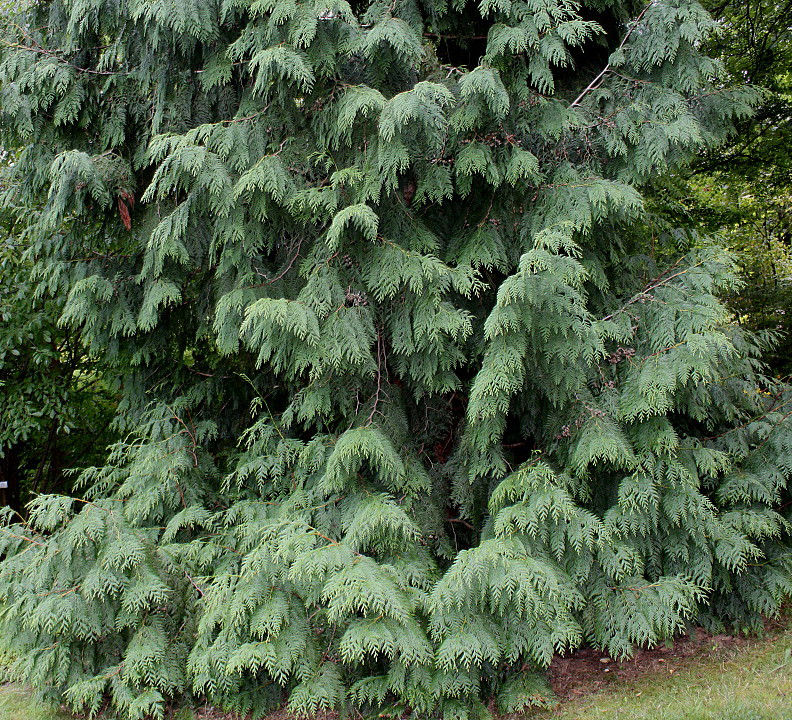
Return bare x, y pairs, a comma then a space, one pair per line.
55, 408
409, 407
742, 191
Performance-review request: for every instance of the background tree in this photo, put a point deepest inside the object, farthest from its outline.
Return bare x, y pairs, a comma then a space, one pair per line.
55, 410
410, 407
743, 190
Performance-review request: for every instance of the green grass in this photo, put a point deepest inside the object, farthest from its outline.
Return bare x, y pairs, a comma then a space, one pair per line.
753, 682
16, 703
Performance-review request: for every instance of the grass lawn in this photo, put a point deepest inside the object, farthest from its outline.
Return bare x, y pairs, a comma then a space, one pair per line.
723, 680
16, 704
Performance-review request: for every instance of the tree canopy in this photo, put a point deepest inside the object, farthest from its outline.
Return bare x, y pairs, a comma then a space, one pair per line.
55, 408
742, 190
416, 387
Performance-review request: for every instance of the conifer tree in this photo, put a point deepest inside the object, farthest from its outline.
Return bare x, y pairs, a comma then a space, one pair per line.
417, 390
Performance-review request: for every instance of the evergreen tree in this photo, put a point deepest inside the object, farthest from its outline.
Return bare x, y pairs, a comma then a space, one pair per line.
410, 405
